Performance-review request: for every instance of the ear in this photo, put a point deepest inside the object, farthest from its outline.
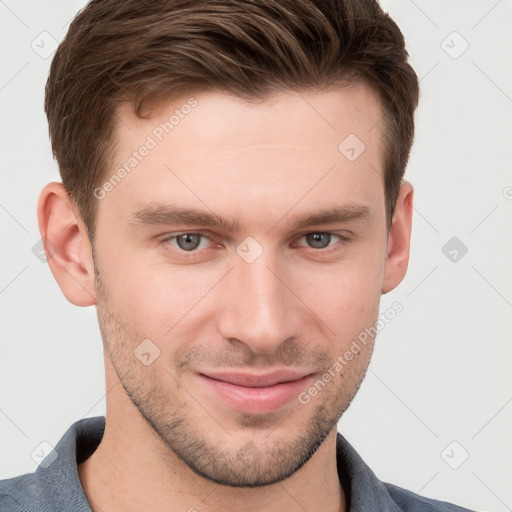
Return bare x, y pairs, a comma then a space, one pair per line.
67, 248
399, 239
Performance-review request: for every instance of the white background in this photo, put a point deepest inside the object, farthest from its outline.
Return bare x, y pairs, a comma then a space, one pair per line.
441, 370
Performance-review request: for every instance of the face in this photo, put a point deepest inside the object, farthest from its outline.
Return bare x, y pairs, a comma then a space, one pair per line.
238, 258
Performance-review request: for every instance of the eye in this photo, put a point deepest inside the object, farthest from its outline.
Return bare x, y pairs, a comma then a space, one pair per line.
193, 242
322, 240
188, 241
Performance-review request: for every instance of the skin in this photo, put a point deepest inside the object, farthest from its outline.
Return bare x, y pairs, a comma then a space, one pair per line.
170, 443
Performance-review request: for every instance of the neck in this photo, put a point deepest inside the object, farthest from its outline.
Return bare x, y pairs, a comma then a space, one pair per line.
133, 469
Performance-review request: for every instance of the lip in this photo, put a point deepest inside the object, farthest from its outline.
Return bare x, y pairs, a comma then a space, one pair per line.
256, 393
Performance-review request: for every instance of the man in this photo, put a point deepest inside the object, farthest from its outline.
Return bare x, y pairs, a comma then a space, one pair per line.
233, 203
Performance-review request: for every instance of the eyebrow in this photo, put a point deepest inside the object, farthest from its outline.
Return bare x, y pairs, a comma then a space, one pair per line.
159, 215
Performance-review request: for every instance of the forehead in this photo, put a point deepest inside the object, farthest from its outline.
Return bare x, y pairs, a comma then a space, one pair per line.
218, 149
283, 116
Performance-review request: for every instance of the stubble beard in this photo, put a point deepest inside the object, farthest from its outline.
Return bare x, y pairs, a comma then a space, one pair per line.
246, 462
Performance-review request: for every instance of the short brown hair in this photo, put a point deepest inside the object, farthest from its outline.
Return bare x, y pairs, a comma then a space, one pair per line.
139, 51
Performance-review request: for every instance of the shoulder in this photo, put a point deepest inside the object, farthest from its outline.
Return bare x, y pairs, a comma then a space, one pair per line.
55, 484
367, 492
410, 502
12, 488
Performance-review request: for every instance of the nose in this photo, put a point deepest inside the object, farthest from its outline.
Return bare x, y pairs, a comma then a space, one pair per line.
259, 307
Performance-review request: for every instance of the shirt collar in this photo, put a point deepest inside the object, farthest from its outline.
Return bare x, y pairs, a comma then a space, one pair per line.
56, 487
363, 490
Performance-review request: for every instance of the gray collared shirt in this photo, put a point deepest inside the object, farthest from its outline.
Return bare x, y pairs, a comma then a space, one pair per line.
55, 485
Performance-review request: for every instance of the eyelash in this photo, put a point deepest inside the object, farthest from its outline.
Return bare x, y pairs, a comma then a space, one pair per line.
325, 250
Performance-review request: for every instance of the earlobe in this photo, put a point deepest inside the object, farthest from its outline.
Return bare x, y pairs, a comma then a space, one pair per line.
399, 239
66, 244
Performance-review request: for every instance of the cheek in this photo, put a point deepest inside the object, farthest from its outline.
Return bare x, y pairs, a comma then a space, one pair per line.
139, 301
348, 291
159, 302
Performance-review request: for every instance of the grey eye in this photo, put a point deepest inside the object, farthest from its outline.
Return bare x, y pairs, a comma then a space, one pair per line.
188, 241
318, 240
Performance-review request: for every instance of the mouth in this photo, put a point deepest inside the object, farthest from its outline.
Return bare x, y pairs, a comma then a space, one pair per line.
252, 393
